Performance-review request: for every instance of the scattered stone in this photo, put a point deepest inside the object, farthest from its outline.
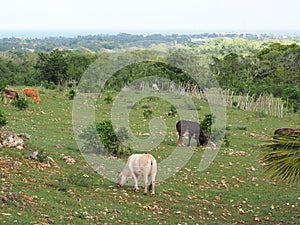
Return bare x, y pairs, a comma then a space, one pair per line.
68, 159
11, 140
237, 153
24, 135
34, 155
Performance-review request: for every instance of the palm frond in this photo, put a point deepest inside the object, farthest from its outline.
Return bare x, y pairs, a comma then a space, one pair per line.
281, 158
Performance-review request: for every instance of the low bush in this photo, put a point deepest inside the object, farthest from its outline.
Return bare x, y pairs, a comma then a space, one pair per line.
147, 113
3, 120
106, 140
207, 122
21, 103
71, 94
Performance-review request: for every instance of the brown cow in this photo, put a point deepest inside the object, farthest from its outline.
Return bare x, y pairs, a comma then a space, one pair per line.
33, 93
11, 94
287, 131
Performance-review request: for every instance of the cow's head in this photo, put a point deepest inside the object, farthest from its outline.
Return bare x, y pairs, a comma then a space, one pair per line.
122, 179
202, 139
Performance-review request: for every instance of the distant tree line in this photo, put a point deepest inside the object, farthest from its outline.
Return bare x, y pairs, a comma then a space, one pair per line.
272, 70
98, 42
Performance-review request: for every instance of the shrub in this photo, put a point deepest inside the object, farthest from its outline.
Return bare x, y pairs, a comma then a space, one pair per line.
3, 84
21, 103
42, 156
106, 140
207, 122
71, 94
292, 98
173, 111
108, 99
3, 120
147, 113
49, 85
92, 141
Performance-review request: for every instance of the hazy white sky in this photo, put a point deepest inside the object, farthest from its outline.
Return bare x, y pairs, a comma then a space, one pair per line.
150, 15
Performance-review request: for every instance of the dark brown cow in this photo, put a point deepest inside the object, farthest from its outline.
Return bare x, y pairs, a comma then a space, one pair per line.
11, 94
190, 129
286, 131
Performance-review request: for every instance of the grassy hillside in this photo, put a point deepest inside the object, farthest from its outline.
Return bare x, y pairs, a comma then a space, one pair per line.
233, 190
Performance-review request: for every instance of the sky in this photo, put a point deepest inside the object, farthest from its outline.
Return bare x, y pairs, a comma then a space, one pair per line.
150, 16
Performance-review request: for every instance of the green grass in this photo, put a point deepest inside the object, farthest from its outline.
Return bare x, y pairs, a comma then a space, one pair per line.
232, 190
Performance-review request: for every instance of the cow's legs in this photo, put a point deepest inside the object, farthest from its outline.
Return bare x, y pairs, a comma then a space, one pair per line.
153, 184
135, 178
146, 184
179, 142
198, 142
189, 143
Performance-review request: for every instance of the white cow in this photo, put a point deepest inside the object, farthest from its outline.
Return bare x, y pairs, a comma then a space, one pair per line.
139, 164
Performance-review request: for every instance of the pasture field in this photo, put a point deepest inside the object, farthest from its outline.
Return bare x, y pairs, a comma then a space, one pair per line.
234, 189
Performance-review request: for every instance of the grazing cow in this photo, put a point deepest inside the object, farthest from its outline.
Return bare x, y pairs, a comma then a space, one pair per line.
33, 93
190, 129
139, 164
12, 95
286, 131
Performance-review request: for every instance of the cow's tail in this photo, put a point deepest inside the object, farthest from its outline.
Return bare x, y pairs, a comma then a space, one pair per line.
150, 186
153, 172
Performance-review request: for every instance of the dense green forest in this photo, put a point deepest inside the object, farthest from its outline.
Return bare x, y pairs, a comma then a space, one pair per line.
254, 65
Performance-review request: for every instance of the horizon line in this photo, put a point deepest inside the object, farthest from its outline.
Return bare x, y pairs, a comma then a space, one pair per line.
39, 33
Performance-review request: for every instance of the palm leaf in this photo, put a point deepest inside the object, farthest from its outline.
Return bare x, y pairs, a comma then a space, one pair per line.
281, 158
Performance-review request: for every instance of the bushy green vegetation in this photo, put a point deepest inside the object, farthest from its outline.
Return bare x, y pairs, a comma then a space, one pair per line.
106, 141
272, 70
255, 69
207, 122
21, 103
3, 120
